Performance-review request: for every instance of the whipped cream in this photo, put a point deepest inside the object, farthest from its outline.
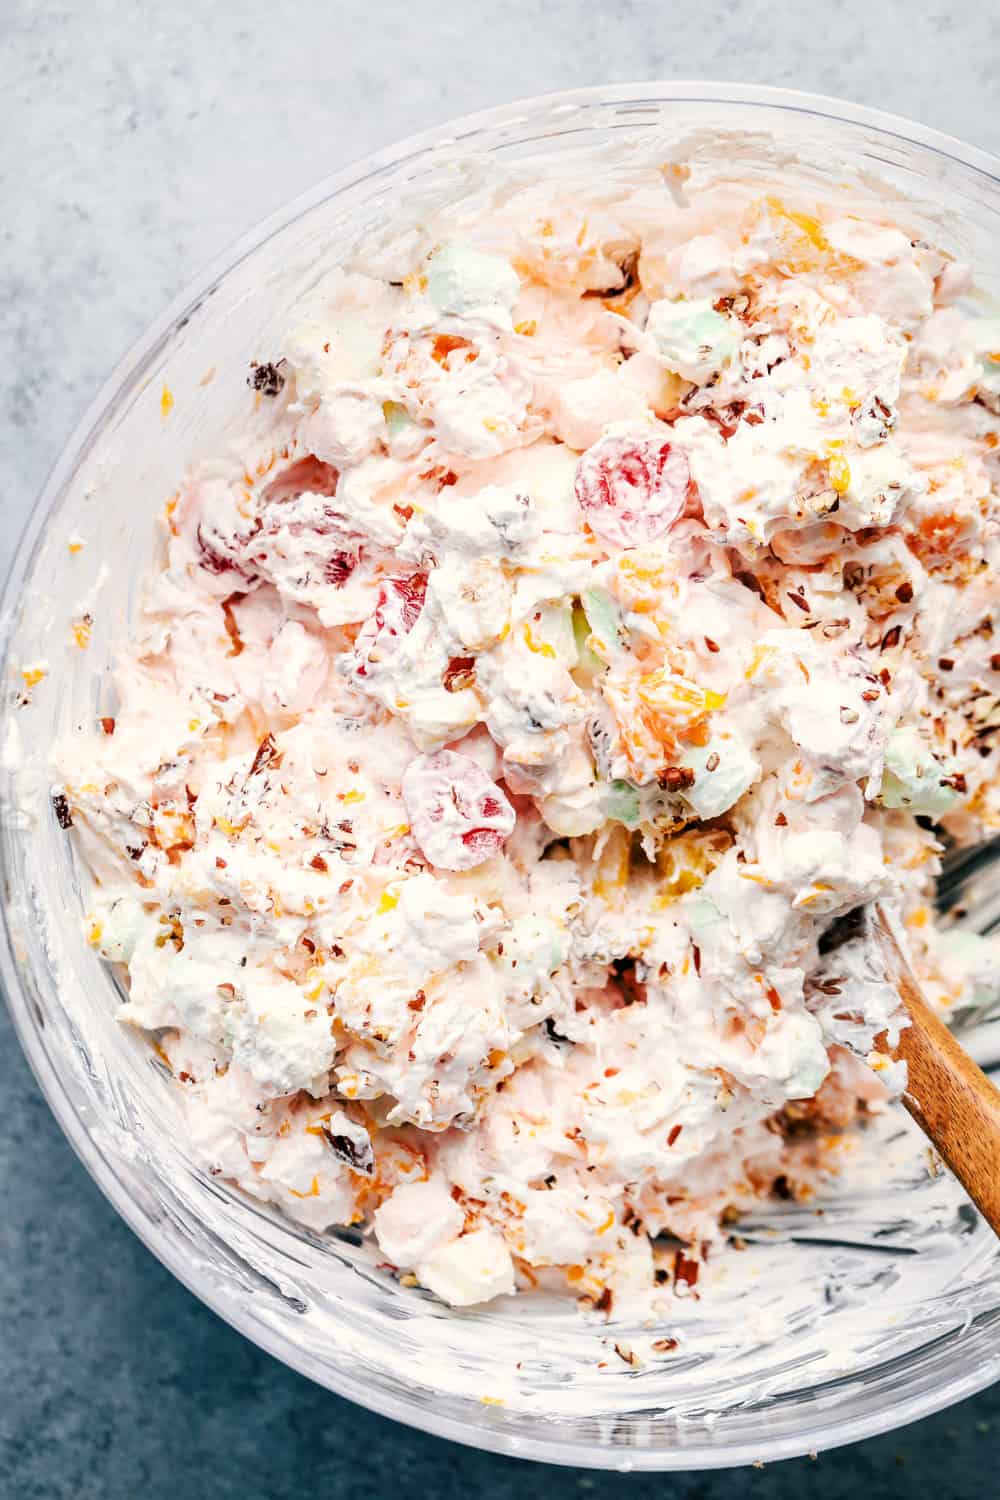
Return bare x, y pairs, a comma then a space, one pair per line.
594, 610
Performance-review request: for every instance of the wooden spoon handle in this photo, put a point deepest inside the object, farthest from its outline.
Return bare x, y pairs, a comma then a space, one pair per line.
948, 1095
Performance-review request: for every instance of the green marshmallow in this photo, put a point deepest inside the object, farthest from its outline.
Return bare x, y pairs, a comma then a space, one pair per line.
693, 340
914, 778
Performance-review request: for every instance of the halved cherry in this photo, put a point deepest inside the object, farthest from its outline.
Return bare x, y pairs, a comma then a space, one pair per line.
458, 816
632, 489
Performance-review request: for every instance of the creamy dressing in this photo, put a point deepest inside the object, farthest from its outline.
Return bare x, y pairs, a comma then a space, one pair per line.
585, 622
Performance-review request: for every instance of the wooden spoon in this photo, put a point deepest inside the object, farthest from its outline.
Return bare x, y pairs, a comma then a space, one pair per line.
948, 1095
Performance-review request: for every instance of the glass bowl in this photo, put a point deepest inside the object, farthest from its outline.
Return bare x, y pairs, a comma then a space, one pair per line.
830, 1326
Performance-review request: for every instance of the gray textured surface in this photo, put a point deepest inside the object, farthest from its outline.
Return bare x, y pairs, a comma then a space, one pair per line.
138, 139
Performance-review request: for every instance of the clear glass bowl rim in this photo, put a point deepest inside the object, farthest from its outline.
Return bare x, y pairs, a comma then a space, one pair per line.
828, 1432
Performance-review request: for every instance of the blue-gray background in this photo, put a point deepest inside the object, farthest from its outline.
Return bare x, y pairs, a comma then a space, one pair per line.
137, 137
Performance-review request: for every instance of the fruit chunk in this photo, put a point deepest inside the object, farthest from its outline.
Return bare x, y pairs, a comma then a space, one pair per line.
459, 817
631, 489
